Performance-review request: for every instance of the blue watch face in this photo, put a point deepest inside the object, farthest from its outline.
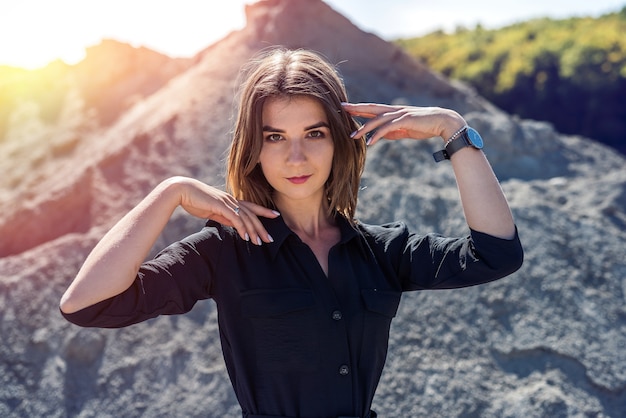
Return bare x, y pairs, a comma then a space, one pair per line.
475, 139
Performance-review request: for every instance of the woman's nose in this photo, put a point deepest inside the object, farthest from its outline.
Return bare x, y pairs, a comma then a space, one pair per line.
296, 152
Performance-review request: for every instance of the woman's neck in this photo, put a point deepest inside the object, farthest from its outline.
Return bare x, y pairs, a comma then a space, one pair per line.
314, 225
306, 220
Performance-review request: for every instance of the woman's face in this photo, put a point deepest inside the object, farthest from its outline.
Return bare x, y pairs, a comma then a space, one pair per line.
297, 152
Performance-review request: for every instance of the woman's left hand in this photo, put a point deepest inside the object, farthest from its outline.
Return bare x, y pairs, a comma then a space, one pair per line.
484, 204
398, 122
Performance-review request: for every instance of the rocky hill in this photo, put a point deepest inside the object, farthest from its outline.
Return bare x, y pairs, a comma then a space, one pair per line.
549, 340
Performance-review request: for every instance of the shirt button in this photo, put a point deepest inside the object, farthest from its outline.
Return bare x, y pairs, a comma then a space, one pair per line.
344, 370
337, 315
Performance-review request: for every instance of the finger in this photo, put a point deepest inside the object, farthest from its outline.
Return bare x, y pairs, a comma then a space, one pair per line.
232, 204
230, 218
390, 133
249, 214
367, 110
244, 226
232, 215
258, 233
260, 210
229, 213
378, 114
376, 126
392, 126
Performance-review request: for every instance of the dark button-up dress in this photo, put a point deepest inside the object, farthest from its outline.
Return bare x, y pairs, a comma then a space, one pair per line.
298, 343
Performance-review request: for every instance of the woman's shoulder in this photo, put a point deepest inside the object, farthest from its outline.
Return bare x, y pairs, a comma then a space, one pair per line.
216, 228
211, 232
383, 232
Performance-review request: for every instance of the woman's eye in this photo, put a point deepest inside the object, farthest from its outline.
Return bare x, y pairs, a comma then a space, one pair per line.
273, 137
316, 134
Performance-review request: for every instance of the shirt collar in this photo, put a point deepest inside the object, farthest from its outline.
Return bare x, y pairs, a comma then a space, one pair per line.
280, 232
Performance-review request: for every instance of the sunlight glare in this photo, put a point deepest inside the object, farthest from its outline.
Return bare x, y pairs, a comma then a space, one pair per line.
37, 32
31, 52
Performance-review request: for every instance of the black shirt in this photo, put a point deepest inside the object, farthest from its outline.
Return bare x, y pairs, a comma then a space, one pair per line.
298, 343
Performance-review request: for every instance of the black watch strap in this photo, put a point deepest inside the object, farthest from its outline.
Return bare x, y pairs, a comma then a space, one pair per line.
440, 156
455, 143
464, 137
459, 143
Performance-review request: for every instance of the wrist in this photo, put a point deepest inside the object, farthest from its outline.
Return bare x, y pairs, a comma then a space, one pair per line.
173, 189
455, 135
464, 137
452, 126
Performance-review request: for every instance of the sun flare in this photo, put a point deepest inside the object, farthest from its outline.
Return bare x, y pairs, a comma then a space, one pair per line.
34, 52
37, 32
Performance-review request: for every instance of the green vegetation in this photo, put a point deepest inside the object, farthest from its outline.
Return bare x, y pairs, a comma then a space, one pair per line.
569, 72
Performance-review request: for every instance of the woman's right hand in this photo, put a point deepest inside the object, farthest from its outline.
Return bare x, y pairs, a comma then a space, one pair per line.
207, 202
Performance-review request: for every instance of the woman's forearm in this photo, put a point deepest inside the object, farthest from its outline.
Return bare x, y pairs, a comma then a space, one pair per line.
486, 209
113, 264
484, 204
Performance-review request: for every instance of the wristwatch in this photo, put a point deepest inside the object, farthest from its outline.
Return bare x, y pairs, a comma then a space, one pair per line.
466, 137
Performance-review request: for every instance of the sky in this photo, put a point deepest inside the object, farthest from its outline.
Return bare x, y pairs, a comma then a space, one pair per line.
36, 32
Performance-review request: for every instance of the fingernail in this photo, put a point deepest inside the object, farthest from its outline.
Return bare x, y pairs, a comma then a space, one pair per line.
258, 241
247, 237
275, 212
368, 141
353, 134
269, 237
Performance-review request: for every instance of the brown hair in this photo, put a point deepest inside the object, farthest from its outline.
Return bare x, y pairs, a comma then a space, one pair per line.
285, 73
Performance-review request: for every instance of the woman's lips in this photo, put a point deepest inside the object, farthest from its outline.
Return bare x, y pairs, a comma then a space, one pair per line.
299, 179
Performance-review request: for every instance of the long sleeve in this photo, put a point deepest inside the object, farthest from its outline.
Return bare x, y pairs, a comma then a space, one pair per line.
435, 262
171, 283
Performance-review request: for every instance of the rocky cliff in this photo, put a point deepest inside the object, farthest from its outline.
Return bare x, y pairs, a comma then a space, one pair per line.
549, 340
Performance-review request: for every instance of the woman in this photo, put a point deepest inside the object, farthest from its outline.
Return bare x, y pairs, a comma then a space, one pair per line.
305, 293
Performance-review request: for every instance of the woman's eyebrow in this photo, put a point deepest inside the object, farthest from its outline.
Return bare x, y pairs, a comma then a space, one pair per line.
318, 125
268, 128
321, 124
